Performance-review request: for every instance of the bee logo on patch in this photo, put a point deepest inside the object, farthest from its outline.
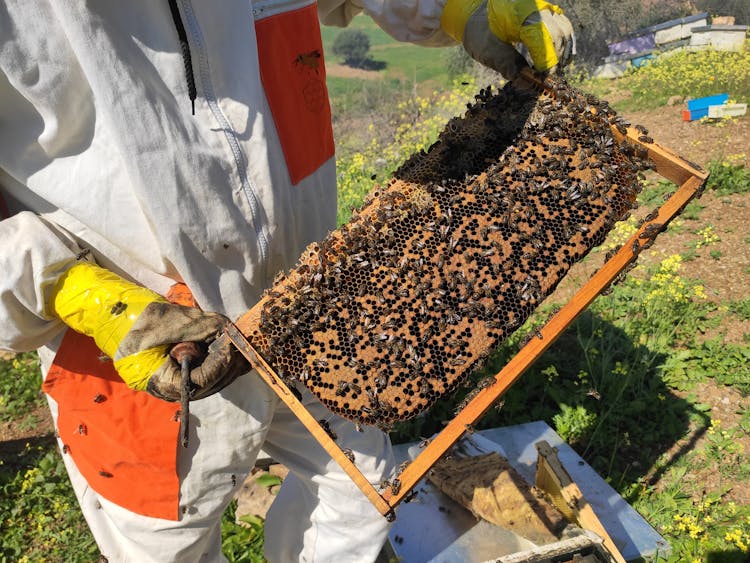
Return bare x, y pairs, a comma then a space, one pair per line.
309, 60
313, 89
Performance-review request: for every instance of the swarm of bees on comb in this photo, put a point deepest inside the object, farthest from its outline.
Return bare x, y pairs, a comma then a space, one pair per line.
399, 306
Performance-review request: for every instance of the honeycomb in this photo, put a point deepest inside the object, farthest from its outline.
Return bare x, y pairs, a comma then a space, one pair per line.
397, 307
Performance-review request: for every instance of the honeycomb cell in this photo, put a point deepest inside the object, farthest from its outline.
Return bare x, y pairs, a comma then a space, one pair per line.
396, 308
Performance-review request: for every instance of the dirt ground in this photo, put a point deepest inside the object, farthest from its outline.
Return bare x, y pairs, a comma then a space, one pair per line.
726, 278
344, 71
727, 406
697, 141
14, 434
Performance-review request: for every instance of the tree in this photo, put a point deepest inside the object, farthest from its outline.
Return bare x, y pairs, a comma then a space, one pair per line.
597, 21
354, 46
740, 9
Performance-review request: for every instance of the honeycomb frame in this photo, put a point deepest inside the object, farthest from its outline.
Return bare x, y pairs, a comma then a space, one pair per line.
396, 309
415, 191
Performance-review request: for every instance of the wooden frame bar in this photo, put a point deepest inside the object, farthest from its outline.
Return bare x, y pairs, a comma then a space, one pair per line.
309, 422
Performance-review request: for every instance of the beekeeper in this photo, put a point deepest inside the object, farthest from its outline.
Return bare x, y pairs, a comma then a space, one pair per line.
181, 151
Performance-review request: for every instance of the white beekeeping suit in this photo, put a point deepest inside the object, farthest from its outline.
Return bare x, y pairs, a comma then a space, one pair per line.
101, 156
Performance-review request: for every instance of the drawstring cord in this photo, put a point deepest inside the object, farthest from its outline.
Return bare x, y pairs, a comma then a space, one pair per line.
185, 47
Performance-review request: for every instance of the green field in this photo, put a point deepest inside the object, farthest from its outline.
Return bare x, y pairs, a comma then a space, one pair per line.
407, 64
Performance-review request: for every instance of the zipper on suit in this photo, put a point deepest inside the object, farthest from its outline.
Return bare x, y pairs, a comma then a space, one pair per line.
239, 157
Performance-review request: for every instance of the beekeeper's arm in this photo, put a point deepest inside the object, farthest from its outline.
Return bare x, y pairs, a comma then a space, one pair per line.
47, 284
488, 29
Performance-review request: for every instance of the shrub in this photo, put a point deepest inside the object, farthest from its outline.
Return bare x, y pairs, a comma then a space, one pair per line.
354, 46
688, 73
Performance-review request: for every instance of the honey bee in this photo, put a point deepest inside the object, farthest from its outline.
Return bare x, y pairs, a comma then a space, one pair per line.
410, 497
118, 308
651, 215
395, 486
327, 427
310, 60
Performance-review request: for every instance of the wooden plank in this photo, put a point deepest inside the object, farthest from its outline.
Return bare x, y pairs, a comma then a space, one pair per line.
707, 101
727, 110
669, 165
491, 488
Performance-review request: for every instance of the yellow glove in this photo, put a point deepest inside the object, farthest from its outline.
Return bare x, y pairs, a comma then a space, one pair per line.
137, 328
488, 30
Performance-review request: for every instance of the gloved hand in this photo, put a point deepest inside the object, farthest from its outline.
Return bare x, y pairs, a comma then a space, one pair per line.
488, 30
137, 327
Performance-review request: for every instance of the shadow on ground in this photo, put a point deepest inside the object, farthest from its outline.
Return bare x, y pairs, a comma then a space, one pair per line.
23, 453
601, 391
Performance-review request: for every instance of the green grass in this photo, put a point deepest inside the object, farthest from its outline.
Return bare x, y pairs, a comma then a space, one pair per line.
741, 308
39, 515
20, 392
728, 178
702, 526
352, 96
409, 66
414, 64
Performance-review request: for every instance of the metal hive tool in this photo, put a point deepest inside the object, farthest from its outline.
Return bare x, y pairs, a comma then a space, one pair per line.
397, 307
472, 159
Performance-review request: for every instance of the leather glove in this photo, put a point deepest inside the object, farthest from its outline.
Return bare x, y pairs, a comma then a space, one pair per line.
137, 328
489, 29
